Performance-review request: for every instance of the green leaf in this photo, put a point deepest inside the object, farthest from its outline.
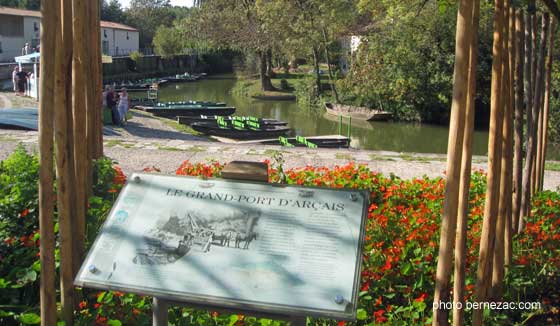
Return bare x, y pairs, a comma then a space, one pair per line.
5, 313
3, 283
361, 314
114, 322
232, 320
30, 319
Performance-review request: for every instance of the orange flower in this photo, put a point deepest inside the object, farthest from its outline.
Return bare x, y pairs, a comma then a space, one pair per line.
422, 297
24, 212
83, 305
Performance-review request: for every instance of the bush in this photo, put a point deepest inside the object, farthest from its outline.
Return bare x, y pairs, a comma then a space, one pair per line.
135, 56
306, 92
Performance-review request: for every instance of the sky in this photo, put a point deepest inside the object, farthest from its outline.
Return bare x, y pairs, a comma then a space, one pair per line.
187, 3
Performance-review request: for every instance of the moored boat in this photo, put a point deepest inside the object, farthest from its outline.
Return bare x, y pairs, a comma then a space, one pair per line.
327, 141
189, 120
193, 110
240, 131
358, 112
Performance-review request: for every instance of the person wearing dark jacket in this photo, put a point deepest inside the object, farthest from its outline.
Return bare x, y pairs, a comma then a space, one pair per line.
112, 104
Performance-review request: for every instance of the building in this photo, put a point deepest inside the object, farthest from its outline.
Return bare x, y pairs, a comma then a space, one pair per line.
18, 26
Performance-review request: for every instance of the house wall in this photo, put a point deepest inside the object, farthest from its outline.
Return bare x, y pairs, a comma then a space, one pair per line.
32, 30
118, 44
11, 37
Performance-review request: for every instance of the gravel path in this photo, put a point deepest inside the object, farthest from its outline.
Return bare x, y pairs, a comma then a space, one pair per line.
5, 102
149, 142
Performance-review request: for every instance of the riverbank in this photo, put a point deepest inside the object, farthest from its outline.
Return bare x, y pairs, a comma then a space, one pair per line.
149, 142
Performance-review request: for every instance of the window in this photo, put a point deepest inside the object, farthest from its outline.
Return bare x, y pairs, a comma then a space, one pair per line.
127, 37
35, 27
105, 47
105, 33
1, 47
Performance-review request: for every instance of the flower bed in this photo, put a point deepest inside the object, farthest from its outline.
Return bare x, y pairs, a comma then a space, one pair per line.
399, 259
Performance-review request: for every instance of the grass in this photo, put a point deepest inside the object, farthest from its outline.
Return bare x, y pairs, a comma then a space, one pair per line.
376, 157
343, 156
552, 166
179, 127
7, 138
196, 149
169, 148
116, 142
411, 158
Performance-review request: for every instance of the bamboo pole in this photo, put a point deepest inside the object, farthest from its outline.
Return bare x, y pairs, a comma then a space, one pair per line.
454, 159
64, 171
546, 106
46, 192
494, 166
518, 137
79, 118
532, 132
463, 210
505, 186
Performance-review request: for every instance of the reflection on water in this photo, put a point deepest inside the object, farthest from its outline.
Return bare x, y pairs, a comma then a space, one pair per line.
398, 137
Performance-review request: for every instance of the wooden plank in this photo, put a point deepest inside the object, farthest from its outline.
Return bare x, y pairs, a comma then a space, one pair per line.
454, 159
64, 165
242, 170
464, 187
46, 167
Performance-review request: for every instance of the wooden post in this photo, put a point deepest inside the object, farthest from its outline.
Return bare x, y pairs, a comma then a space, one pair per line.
46, 189
454, 159
99, 78
160, 314
494, 166
546, 106
518, 137
79, 118
463, 210
64, 166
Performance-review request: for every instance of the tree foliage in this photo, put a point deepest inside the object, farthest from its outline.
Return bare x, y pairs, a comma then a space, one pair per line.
22, 4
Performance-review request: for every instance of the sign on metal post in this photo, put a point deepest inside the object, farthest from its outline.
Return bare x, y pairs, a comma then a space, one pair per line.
285, 250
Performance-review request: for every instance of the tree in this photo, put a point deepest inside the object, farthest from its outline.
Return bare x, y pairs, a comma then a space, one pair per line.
147, 16
23, 4
112, 11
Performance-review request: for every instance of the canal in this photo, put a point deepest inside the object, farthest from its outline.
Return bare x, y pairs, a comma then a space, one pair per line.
386, 136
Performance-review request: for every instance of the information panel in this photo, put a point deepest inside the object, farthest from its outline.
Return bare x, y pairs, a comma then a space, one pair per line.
271, 248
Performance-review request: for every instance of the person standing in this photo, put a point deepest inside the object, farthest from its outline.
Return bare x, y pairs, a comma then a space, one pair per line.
124, 105
22, 82
112, 104
15, 78
26, 49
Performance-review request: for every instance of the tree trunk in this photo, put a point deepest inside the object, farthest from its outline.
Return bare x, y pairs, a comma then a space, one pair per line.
505, 184
316, 65
532, 130
266, 83
46, 187
527, 170
269, 71
331, 79
518, 137
546, 105
454, 159
80, 127
484, 272
64, 160
464, 187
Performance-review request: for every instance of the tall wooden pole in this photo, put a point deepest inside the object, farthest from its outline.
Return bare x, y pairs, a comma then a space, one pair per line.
505, 186
463, 210
64, 165
454, 159
509, 126
96, 46
46, 145
494, 166
532, 131
546, 106
518, 137
80, 126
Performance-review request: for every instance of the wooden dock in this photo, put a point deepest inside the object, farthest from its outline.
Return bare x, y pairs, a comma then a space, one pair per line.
326, 141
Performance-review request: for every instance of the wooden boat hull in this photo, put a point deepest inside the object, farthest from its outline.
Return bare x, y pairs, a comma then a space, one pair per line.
328, 141
173, 113
189, 120
212, 130
356, 112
